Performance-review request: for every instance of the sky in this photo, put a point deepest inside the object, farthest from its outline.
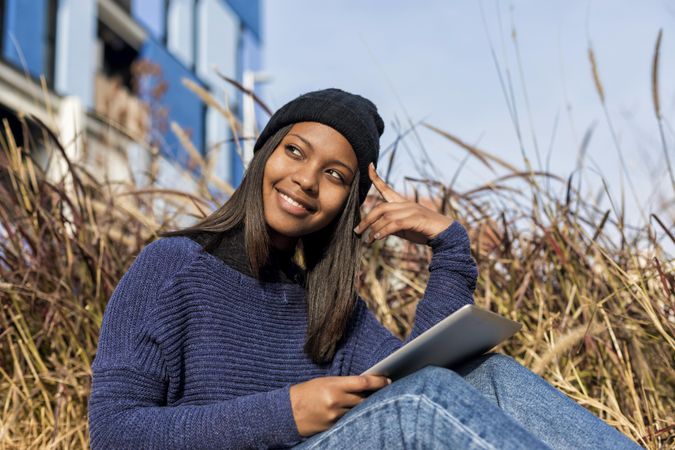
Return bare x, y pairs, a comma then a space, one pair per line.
445, 62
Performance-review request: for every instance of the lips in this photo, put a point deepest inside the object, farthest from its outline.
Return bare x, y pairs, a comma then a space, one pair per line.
290, 206
294, 200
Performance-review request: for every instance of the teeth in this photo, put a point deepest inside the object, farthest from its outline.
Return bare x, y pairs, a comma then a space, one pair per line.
291, 201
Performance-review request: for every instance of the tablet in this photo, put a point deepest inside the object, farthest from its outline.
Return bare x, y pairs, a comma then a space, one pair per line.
470, 331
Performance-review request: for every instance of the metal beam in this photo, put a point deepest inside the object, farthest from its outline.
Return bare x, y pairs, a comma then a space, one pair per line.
121, 23
21, 93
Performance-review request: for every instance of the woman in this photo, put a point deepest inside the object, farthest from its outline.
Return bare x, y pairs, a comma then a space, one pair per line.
217, 338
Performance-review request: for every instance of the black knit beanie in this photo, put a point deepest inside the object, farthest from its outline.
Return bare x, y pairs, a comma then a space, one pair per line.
353, 116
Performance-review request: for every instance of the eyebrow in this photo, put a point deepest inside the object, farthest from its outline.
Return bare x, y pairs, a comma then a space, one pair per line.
332, 161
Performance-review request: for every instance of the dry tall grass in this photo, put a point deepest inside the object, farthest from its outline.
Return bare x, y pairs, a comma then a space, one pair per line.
598, 313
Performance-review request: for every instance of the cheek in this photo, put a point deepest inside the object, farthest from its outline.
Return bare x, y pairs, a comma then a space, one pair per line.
272, 167
335, 201
272, 173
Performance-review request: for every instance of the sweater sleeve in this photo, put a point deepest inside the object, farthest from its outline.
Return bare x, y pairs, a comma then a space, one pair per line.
128, 403
452, 280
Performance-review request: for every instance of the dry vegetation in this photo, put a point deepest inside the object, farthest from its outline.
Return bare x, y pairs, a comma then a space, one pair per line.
596, 297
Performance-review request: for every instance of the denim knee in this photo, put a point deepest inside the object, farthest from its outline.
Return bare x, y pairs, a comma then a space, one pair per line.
497, 376
429, 378
490, 364
498, 362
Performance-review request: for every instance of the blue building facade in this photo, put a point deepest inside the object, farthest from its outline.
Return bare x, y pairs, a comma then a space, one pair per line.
90, 48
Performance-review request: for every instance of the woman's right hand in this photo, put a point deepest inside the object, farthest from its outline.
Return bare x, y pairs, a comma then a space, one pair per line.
318, 403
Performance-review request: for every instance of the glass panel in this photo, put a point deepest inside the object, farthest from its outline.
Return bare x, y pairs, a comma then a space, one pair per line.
152, 15
217, 40
180, 30
24, 21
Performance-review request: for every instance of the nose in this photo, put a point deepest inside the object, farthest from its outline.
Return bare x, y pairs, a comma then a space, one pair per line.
307, 178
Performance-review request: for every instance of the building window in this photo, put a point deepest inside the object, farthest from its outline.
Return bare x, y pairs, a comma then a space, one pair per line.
28, 30
180, 30
152, 15
217, 40
114, 83
116, 56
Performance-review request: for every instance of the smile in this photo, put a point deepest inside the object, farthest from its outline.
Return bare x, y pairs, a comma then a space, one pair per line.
291, 206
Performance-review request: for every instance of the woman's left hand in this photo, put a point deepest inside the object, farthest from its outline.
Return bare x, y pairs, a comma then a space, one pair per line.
399, 216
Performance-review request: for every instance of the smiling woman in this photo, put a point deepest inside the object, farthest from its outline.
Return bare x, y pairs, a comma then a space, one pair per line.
217, 338
306, 182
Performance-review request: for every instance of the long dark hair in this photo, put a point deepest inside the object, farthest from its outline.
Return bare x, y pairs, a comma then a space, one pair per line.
330, 255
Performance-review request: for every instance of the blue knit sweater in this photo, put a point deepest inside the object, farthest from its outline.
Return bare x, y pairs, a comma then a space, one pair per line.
194, 354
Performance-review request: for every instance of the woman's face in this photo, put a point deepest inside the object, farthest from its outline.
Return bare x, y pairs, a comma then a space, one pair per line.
314, 165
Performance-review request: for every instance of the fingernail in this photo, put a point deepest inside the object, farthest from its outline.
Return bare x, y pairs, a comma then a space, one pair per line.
356, 229
377, 235
388, 380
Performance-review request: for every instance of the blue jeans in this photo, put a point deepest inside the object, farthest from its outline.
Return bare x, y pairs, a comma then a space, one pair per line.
491, 402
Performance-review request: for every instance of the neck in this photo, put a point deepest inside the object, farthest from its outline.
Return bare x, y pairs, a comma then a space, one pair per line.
282, 244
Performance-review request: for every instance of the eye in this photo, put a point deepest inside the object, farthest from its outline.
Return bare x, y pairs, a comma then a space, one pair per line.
297, 154
291, 148
339, 175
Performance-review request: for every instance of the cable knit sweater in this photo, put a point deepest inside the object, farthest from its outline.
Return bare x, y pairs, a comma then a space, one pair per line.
195, 354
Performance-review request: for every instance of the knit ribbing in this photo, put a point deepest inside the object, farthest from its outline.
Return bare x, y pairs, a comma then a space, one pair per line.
193, 353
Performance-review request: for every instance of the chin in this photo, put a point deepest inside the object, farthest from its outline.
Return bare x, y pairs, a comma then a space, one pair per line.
286, 227
294, 230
